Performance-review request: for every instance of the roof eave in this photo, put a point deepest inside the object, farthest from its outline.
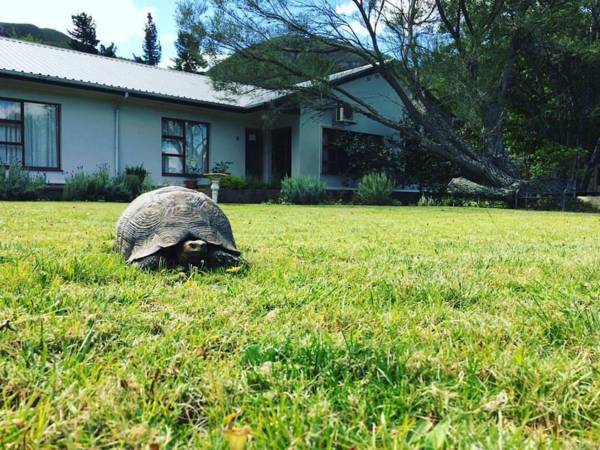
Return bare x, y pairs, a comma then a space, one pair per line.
115, 90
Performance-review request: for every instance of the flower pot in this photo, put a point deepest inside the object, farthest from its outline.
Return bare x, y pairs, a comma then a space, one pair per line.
191, 183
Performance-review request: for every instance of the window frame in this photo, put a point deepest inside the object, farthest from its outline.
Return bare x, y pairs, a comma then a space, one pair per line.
21, 123
182, 139
340, 130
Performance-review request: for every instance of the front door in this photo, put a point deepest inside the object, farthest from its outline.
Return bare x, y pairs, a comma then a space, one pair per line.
254, 154
281, 148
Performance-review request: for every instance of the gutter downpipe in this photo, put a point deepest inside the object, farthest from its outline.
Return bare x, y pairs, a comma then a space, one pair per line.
118, 130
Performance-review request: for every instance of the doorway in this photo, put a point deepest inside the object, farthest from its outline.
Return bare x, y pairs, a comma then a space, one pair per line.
254, 154
281, 150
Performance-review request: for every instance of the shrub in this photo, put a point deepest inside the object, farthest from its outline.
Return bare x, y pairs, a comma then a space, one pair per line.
233, 182
426, 201
375, 189
449, 200
18, 184
124, 188
101, 186
138, 171
84, 186
302, 190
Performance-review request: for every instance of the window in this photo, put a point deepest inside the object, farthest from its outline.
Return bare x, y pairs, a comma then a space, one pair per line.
184, 147
29, 134
334, 159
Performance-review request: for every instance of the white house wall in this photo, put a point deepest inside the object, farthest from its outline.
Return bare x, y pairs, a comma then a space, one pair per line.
306, 156
87, 138
87, 135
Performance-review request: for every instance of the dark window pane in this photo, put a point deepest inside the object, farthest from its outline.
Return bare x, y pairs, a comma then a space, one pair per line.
10, 154
196, 147
172, 164
172, 127
41, 135
10, 110
172, 146
10, 132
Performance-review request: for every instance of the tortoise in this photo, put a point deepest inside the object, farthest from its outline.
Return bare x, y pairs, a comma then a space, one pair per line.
176, 227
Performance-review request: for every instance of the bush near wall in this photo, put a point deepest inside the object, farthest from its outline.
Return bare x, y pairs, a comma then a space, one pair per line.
100, 185
303, 190
18, 184
375, 189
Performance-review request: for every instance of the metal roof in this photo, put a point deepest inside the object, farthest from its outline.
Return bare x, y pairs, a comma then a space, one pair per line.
64, 66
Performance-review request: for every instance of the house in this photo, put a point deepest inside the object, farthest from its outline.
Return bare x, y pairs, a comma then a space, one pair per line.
62, 110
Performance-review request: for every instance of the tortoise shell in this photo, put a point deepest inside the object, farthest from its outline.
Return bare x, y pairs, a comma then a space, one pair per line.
168, 216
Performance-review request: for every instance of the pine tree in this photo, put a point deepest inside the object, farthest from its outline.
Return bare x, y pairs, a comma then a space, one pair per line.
151, 47
110, 51
191, 36
83, 34
189, 57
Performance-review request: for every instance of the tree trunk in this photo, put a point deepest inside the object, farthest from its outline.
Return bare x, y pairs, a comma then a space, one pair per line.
462, 186
592, 163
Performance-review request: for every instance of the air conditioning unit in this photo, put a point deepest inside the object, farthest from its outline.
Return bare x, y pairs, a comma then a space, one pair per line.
344, 114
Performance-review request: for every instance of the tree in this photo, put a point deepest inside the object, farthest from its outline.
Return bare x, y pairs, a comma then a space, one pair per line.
399, 40
110, 51
83, 34
151, 47
190, 37
554, 107
189, 57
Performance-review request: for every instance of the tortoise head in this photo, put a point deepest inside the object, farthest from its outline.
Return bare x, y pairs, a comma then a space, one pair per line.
193, 253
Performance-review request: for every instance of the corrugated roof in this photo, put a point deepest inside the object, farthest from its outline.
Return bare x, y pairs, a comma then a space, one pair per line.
38, 61
46, 62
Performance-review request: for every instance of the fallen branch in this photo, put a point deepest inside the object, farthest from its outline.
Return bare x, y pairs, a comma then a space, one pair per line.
462, 186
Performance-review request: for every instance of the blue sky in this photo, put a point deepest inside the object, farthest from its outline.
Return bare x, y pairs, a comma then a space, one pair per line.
120, 21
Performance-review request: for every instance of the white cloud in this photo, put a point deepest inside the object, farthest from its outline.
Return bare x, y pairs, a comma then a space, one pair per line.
167, 38
345, 9
117, 21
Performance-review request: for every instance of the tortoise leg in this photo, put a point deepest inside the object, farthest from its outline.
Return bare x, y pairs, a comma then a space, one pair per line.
219, 258
152, 262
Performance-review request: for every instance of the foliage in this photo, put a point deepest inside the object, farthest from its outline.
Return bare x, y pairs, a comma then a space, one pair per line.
101, 186
303, 190
289, 47
83, 33
31, 33
555, 161
375, 189
423, 168
151, 46
233, 182
110, 51
83, 37
18, 184
140, 171
27, 38
556, 95
367, 154
449, 200
222, 167
190, 37
418, 48
377, 327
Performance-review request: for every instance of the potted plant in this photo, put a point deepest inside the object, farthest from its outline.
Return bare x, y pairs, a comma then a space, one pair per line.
194, 167
191, 182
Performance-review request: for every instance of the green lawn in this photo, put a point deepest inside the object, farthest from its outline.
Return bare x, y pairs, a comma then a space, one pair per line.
354, 327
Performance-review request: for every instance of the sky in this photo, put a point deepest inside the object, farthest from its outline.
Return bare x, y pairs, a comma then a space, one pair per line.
118, 21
